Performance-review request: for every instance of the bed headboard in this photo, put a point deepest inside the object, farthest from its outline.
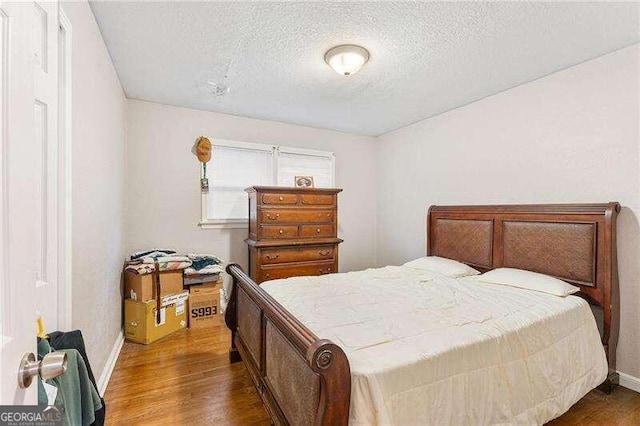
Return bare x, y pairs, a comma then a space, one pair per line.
573, 242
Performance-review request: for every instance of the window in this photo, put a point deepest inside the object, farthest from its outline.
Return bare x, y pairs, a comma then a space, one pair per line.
235, 166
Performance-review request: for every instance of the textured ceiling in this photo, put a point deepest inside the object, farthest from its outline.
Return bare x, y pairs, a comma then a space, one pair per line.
426, 58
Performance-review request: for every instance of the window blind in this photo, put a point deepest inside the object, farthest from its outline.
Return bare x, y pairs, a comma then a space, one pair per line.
230, 171
235, 166
292, 164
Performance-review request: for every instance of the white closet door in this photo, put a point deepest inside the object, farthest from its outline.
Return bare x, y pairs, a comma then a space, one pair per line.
28, 131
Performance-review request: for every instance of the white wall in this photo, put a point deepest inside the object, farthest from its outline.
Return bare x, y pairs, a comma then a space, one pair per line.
164, 190
98, 208
569, 137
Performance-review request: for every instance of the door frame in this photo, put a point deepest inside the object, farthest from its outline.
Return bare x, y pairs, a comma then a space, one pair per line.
4, 196
65, 125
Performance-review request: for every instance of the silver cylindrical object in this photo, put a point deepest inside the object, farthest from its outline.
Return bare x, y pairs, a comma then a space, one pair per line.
53, 365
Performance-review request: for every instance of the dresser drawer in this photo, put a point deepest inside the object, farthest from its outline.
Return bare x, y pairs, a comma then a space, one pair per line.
298, 254
279, 199
302, 216
275, 231
317, 199
317, 231
309, 269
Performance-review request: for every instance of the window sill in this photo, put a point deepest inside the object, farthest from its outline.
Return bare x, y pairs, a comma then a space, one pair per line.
224, 224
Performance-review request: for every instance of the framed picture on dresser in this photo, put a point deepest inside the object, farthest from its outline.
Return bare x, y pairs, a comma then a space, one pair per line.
304, 182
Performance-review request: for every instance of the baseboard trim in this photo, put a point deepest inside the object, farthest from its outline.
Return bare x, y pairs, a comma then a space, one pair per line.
629, 382
103, 381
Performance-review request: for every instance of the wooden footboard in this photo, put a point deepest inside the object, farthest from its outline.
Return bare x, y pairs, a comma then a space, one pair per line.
302, 380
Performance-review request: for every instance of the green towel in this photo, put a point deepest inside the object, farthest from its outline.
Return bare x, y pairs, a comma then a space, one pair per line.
76, 394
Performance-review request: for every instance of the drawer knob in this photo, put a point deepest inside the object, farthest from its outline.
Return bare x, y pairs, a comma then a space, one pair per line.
324, 271
281, 198
324, 253
267, 276
273, 217
318, 230
275, 256
281, 231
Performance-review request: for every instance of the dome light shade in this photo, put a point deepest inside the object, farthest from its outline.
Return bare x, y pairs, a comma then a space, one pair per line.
346, 59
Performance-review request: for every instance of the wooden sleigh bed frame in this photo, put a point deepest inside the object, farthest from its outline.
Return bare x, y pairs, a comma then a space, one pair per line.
303, 379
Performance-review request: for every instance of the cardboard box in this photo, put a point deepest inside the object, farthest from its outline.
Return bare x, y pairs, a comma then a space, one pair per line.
200, 279
140, 318
204, 305
209, 287
142, 287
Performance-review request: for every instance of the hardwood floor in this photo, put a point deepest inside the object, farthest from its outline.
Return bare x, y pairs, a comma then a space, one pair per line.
186, 379
621, 408
183, 379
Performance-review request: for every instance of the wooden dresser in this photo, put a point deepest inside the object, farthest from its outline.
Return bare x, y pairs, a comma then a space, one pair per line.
292, 232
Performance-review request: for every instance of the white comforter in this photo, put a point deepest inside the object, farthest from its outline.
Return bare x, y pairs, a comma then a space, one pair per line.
427, 349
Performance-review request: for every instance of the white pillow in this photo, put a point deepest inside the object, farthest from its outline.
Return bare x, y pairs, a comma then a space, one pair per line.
528, 280
441, 265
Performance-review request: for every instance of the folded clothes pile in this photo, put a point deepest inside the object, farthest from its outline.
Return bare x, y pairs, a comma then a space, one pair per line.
140, 268
203, 264
144, 262
152, 254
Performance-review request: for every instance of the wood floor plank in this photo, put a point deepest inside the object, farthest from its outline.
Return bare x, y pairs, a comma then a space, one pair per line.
186, 379
183, 379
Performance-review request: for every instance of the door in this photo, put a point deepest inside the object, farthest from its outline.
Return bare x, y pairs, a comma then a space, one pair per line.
28, 174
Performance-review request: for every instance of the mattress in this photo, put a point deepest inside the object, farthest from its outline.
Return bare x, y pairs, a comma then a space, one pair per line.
428, 349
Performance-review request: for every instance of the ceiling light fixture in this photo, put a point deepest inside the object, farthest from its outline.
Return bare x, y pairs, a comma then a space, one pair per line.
346, 59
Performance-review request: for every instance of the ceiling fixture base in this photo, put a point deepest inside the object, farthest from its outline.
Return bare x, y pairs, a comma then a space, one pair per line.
346, 59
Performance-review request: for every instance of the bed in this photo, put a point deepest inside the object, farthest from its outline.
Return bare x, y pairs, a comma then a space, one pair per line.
306, 379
